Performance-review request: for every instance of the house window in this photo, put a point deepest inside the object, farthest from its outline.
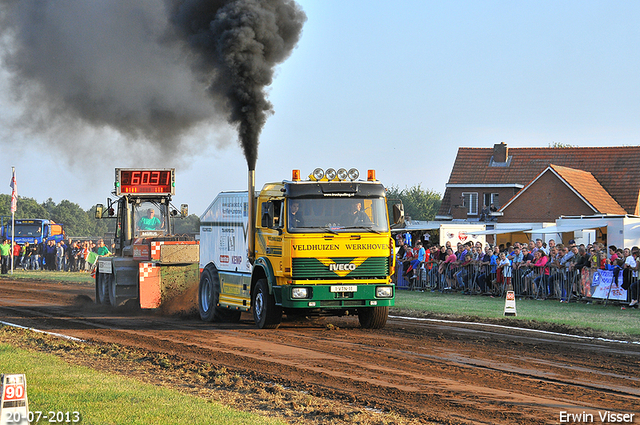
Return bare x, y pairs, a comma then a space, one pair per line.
471, 202
492, 198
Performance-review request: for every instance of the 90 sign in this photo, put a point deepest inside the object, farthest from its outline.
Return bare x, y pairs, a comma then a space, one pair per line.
144, 181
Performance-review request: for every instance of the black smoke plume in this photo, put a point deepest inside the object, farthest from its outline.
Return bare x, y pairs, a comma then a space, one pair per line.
152, 71
238, 43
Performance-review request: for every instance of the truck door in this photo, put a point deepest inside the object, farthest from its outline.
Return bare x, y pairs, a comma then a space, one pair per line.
269, 236
56, 230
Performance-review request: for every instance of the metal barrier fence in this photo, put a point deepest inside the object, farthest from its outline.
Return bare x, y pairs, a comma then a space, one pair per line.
526, 280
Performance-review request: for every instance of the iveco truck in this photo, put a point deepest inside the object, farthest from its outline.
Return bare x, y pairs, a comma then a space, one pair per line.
319, 246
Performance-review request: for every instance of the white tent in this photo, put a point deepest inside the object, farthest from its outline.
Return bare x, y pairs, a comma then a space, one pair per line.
575, 225
503, 230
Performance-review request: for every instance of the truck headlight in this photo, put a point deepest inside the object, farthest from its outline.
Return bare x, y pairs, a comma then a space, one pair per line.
330, 174
318, 174
300, 293
384, 292
342, 174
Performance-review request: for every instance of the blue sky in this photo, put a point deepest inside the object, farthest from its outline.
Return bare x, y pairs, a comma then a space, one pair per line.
397, 87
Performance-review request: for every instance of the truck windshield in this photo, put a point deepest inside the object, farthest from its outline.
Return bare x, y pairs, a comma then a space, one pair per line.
149, 219
26, 230
337, 215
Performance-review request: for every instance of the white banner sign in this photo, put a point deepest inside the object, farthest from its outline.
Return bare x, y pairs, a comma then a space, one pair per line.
604, 287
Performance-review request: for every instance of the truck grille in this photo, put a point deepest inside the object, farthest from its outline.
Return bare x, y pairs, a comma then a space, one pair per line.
311, 268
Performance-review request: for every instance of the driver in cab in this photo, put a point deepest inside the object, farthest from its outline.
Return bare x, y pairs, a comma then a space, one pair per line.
295, 216
150, 221
358, 216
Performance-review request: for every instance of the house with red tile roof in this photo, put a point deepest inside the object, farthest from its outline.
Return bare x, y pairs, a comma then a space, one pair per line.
542, 184
563, 190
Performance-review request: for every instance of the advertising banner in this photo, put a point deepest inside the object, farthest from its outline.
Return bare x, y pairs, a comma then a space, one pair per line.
603, 286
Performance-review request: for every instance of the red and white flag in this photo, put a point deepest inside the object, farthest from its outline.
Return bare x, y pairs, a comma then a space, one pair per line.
14, 193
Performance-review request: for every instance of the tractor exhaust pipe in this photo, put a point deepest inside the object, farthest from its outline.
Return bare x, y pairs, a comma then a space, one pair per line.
251, 237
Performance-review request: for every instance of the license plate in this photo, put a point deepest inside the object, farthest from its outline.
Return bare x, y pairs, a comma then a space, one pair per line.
343, 288
105, 266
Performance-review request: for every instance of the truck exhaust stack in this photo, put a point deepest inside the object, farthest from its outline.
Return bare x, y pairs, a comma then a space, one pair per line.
251, 234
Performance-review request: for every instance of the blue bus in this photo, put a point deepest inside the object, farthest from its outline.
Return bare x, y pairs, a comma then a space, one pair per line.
33, 230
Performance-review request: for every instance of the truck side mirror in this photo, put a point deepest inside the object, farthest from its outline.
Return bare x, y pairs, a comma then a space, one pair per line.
267, 214
99, 210
398, 214
184, 210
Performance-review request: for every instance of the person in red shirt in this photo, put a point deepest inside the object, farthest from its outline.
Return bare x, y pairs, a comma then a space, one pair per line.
408, 257
451, 258
613, 256
540, 283
427, 258
447, 268
16, 255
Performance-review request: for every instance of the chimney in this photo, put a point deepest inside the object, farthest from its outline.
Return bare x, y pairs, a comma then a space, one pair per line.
500, 152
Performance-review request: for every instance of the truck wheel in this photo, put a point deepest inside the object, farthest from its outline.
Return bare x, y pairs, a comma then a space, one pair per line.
111, 284
102, 288
207, 296
373, 317
97, 299
266, 313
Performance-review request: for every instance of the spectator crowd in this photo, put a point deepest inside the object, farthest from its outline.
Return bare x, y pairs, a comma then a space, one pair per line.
534, 269
66, 255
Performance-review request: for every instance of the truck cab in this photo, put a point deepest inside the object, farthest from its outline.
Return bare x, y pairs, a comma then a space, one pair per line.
140, 218
33, 231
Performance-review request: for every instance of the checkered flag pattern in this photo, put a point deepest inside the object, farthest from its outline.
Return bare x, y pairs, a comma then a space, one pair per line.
155, 250
148, 270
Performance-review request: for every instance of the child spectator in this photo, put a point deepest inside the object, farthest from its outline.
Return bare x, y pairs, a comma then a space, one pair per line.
505, 265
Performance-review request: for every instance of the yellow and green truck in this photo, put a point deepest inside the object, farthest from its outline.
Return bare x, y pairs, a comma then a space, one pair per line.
320, 246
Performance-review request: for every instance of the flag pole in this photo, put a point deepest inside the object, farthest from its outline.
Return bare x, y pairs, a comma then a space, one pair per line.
14, 196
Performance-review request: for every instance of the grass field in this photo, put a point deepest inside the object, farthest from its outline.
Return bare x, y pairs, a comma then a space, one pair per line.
101, 398
597, 316
75, 277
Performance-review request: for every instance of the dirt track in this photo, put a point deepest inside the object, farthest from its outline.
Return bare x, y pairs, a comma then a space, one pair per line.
421, 370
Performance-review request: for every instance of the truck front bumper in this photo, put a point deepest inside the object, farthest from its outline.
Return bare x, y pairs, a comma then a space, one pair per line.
335, 296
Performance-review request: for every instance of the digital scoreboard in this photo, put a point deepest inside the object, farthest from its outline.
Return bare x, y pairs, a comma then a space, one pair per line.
141, 181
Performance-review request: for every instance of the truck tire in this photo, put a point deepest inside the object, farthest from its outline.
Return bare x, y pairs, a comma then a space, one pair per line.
111, 284
266, 313
208, 295
209, 298
102, 288
373, 317
97, 286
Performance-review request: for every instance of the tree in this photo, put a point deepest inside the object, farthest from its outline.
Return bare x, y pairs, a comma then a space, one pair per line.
419, 204
187, 225
99, 227
561, 145
74, 218
76, 221
26, 208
